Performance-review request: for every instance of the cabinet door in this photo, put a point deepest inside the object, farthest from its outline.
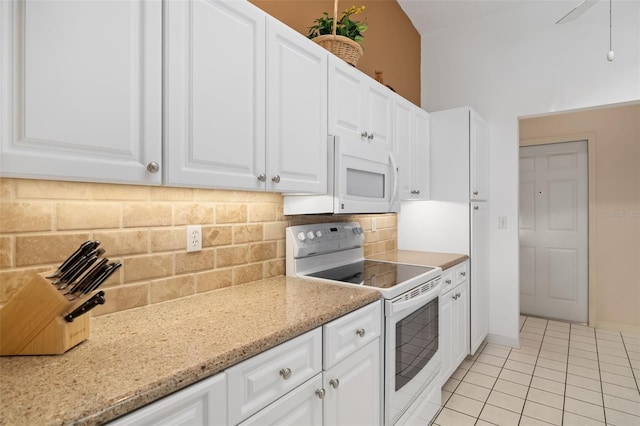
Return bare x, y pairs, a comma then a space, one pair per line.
296, 113
420, 148
215, 94
353, 389
346, 111
445, 335
479, 158
81, 90
301, 406
378, 104
460, 345
478, 278
403, 124
203, 403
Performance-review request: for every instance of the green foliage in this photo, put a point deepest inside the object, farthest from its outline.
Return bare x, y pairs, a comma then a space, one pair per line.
346, 26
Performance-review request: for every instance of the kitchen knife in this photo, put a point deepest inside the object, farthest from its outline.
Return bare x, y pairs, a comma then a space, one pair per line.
72, 271
84, 248
112, 267
79, 271
95, 300
89, 276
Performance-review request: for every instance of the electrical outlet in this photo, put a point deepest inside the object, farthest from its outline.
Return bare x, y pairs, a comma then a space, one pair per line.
194, 238
374, 227
502, 222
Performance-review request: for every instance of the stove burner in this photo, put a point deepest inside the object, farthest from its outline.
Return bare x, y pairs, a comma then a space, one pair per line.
371, 273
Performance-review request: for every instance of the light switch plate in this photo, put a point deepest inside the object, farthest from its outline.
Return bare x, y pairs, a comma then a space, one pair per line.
502, 222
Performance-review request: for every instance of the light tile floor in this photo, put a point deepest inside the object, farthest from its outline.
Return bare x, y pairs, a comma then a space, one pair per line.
563, 374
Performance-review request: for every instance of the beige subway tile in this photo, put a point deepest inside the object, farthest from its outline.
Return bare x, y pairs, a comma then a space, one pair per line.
6, 252
227, 256
12, 280
261, 212
171, 288
282, 248
274, 268
89, 215
102, 191
163, 193
119, 243
371, 237
247, 273
368, 250
275, 230
263, 251
44, 249
25, 216
217, 236
247, 233
231, 213
195, 261
280, 211
380, 247
212, 280
146, 214
52, 189
390, 245
193, 214
225, 196
168, 239
145, 267
365, 223
122, 298
7, 188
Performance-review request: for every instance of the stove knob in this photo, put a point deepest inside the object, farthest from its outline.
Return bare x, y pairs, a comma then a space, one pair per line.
301, 236
311, 235
318, 234
355, 231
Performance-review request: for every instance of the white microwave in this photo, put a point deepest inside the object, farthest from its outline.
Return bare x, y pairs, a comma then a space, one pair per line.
362, 179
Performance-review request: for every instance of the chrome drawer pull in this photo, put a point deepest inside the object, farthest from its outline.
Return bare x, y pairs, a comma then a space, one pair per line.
360, 332
334, 383
320, 393
285, 373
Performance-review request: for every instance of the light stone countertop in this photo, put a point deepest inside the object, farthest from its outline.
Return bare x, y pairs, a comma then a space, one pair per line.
421, 258
137, 356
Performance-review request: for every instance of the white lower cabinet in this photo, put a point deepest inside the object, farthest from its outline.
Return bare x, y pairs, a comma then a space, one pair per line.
454, 321
203, 403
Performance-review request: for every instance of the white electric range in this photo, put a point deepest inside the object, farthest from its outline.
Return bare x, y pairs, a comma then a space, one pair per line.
333, 252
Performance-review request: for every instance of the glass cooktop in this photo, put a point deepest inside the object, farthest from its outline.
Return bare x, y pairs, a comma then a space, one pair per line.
371, 273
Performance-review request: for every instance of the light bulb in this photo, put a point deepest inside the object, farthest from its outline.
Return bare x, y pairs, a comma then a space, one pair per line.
610, 55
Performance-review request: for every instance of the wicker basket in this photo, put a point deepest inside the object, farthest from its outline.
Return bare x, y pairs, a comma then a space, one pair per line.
341, 46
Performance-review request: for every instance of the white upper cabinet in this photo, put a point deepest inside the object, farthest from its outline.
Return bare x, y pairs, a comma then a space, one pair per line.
81, 90
296, 112
459, 156
246, 100
215, 94
360, 108
411, 132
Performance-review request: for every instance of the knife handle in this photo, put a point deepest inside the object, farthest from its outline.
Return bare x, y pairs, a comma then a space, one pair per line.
89, 276
95, 300
84, 248
112, 267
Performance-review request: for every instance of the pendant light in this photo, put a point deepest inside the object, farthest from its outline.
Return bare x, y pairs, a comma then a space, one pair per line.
611, 53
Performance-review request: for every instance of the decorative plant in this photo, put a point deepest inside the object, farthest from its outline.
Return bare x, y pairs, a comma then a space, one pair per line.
346, 26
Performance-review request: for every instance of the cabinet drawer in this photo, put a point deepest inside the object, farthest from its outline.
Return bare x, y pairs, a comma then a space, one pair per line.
258, 381
344, 336
461, 272
447, 280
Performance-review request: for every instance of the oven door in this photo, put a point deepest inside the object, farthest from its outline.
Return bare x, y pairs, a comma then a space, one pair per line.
412, 359
366, 179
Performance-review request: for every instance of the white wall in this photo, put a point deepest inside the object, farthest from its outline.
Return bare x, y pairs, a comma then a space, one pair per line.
517, 64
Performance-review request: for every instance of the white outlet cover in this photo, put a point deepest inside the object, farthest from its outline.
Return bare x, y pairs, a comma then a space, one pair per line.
194, 238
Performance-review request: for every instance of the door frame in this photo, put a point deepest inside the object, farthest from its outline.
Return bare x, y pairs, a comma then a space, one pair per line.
590, 137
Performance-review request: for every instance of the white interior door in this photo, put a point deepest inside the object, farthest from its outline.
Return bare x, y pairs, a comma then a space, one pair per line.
554, 231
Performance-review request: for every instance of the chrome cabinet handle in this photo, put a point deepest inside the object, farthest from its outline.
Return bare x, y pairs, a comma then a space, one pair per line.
285, 373
364, 134
475, 192
476, 208
370, 137
360, 332
418, 191
463, 273
262, 177
334, 383
455, 297
276, 179
320, 393
153, 167
458, 294
447, 282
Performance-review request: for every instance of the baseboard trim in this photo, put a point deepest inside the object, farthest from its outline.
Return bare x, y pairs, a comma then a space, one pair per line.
503, 340
614, 326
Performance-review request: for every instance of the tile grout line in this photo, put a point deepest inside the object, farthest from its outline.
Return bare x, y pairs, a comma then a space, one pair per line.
532, 374
633, 373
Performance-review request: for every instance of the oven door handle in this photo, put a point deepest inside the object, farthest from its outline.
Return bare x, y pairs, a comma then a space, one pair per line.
395, 308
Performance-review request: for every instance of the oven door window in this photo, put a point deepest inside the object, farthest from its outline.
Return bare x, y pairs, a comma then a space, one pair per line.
416, 342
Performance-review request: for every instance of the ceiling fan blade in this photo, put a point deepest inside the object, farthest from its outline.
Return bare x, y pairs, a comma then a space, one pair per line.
577, 11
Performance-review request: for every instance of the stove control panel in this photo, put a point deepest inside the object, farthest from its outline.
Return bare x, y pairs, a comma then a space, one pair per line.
319, 238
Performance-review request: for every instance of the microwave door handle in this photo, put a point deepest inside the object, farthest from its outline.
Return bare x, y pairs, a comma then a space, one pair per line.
394, 195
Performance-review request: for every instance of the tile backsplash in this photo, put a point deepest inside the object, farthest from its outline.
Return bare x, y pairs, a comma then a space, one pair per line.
144, 228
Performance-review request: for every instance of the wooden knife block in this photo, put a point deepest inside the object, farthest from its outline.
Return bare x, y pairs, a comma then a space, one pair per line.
32, 323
